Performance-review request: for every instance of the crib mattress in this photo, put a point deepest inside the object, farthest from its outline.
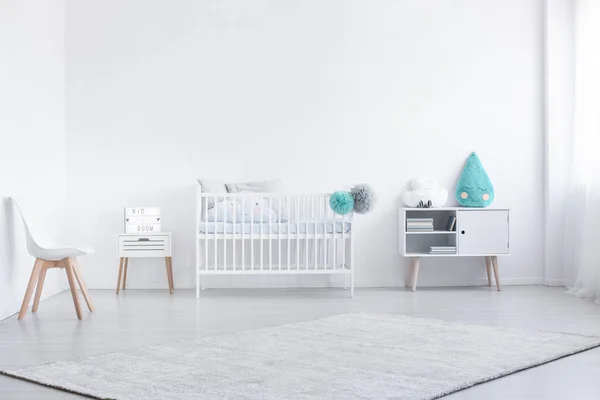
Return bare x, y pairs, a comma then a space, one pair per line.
274, 228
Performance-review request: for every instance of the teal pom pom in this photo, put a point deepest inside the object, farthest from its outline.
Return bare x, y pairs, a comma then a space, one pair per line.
474, 187
341, 202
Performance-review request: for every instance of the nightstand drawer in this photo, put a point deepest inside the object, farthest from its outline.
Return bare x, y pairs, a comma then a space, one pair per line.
155, 245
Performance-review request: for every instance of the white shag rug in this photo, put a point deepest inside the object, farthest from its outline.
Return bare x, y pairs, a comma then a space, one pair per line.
351, 356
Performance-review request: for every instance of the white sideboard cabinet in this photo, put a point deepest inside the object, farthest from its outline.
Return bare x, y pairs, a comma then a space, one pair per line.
482, 232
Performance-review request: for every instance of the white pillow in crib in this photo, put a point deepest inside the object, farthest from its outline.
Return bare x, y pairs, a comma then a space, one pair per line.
212, 186
253, 210
274, 186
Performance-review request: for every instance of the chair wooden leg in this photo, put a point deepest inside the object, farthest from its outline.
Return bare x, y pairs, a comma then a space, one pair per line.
125, 272
82, 285
121, 262
488, 268
40, 285
416, 265
169, 274
37, 267
73, 287
496, 272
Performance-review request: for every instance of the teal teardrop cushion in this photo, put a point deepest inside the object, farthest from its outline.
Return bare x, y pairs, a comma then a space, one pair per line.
474, 187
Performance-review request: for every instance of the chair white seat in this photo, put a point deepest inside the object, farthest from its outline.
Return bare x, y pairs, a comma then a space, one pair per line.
60, 252
50, 255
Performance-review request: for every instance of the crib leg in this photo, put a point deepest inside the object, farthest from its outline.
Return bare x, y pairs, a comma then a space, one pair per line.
352, 265
197, 268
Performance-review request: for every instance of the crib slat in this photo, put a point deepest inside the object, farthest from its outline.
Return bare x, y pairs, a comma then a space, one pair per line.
314, 218
206, 233
234, 224
343, 241
279, 233
216, 225
297, 200
252, 235
334, 258
289, 210
225, 203
305, 201
270, 232
243, 232
260, 206
324, 245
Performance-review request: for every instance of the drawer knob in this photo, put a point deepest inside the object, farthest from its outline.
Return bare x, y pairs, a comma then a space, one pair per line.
463, 232
147, 240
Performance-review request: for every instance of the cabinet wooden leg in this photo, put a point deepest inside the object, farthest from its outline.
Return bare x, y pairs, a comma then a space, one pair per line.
415, 274
409, 275
121, 262
488, 267
496, 272
125, 272
35, 273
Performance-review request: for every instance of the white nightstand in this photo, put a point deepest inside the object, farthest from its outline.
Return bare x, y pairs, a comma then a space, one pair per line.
140, 245
479, 232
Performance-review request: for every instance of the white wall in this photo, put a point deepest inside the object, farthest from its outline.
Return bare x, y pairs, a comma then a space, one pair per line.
32, 136
322, 93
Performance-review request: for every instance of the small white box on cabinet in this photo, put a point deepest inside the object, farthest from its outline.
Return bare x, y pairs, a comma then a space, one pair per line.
483, 232
142, 219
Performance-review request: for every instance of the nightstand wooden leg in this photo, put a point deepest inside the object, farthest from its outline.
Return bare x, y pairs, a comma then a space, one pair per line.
169, 273
488, 268
416, 265
121, 262
125, 272
496, 272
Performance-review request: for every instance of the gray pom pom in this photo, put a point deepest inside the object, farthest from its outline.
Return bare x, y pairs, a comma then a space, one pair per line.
364, 198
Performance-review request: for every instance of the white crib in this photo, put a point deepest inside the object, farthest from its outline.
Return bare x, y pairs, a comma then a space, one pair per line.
300, 235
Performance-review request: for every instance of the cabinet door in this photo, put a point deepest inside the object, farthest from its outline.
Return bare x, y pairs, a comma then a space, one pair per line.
483, 232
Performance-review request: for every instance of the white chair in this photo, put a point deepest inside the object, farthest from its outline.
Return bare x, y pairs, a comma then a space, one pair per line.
49, 255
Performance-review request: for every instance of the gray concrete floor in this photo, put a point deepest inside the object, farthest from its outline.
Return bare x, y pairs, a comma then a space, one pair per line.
141, 317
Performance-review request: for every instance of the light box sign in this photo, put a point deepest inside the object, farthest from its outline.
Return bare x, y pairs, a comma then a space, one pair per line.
142, 219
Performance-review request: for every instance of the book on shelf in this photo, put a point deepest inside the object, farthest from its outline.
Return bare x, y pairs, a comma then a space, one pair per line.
451, 225
442, 249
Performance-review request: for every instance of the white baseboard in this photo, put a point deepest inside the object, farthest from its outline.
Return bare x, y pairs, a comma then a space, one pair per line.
554, 282
510, 282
